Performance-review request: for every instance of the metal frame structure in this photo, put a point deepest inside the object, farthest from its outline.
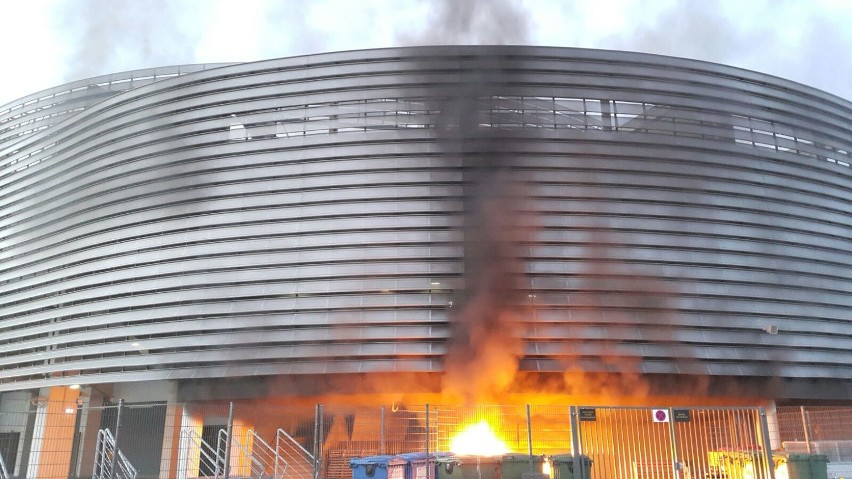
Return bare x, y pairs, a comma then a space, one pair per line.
597, 441
301, 216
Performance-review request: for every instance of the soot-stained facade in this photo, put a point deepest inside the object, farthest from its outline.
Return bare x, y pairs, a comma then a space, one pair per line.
437, 211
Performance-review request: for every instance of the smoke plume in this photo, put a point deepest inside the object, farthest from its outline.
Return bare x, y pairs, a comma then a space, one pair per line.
473, 22
485, 341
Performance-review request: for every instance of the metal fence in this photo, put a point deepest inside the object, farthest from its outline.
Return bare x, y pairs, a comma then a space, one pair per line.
819, 430
44, 440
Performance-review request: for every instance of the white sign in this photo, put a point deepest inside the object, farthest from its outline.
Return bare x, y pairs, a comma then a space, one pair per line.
660, 415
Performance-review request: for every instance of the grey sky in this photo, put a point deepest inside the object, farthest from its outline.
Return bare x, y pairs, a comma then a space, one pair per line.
48, 43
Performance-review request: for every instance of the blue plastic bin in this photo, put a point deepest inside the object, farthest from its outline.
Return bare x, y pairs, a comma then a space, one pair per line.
377, 467
417, 464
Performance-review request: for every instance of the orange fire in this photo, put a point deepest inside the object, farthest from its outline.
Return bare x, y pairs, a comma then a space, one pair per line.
478, 440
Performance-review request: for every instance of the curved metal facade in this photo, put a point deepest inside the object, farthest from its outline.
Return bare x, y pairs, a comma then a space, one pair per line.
304, 215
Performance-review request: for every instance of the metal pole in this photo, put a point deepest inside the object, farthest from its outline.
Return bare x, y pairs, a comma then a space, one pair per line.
767, 447
382, 437
427, 441
576, 449
117, 431
806, 427
322, 434
673, 440
228, 434
529, 439
75, 444
316, 438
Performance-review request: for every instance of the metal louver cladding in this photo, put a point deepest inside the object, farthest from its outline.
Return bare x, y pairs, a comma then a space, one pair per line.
307, 215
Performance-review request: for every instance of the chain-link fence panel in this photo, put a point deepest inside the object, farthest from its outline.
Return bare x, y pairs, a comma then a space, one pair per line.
819, 430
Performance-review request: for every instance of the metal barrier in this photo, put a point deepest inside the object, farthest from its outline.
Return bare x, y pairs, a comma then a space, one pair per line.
110, 462
4, 474
186, 441
302, 461
200, 458
819, 430
644, 443
265, 459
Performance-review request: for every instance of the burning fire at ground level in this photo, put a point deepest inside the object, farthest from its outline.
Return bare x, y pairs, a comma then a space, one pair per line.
618, 439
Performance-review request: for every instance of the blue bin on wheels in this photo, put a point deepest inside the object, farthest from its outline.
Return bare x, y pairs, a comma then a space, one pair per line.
377, 467
418, 464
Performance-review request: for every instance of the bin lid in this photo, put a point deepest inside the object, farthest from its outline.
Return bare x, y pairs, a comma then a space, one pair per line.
518, 457
421, 456
412, 456
797, 457
479, 459
381, 461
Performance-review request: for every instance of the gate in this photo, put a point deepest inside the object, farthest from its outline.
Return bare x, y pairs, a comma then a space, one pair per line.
687, 443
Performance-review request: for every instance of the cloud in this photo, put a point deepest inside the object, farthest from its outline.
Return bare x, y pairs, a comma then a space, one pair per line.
69, 40
788, 39
115, 35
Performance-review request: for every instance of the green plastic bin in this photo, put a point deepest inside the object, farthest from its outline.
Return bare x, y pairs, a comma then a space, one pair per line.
470, 467
562, 466
514, 466
447, 468
802, 466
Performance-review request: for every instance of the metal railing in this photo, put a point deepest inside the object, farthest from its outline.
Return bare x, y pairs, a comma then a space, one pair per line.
186, 441
110, 462
301, 461
201, 459
4, 474
265, 458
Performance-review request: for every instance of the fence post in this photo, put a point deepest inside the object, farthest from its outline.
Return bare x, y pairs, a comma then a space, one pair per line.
382, 434
767, 446
228, 440
114, 460
529, 439
673, 439
576, 450
316, 439
321, 440
75, 442
806, 427
427, 442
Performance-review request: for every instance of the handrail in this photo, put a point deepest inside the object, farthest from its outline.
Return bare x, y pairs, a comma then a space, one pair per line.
207, 455
301, 460
107, 451
281, 432
269, 456
4, 474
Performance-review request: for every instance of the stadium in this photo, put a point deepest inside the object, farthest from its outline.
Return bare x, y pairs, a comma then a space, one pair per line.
432, 224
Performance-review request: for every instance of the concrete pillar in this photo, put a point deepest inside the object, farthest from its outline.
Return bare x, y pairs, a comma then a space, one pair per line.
772, 424
53, 435
189, 454
90, 423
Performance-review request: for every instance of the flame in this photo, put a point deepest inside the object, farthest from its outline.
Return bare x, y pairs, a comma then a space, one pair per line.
478, 440
547, 468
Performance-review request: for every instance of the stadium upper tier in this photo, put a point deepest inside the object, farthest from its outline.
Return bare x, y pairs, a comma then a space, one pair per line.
317, 214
